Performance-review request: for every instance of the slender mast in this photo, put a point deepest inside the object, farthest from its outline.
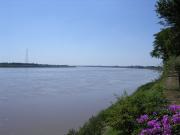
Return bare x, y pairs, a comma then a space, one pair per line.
27, 56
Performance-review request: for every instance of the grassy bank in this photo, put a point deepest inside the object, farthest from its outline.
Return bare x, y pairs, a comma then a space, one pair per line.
120, 117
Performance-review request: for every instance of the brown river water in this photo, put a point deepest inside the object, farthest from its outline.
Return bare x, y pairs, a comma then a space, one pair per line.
49, 101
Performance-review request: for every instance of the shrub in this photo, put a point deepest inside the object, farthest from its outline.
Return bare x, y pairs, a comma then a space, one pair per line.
165, 123
121, 116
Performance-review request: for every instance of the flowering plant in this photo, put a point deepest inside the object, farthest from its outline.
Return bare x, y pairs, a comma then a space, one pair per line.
162, 124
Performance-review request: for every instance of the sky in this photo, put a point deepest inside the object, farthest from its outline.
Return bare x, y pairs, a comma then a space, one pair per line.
78, 32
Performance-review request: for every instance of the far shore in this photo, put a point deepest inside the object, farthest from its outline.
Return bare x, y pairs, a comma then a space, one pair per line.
34, 65
135, 67
31, 65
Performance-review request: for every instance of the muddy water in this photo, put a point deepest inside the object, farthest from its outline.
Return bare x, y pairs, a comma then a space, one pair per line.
49, 101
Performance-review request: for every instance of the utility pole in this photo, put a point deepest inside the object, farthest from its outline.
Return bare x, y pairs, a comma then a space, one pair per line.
27, 56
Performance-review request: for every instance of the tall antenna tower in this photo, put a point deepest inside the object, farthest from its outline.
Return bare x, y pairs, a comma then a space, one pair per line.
27, 56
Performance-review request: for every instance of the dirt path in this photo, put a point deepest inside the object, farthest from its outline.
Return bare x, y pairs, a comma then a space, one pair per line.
173, 96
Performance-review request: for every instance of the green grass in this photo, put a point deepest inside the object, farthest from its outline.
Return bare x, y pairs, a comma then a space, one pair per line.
120, 117
110, 131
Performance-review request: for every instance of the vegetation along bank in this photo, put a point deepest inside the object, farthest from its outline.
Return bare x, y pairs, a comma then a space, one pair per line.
154, 109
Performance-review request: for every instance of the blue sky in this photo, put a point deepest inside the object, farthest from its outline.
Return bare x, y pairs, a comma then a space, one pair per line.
78, 32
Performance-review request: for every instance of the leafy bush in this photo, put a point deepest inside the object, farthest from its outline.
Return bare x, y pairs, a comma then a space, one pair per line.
121, 116
165, 123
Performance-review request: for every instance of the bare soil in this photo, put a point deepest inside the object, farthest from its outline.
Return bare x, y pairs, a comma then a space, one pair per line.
173, 96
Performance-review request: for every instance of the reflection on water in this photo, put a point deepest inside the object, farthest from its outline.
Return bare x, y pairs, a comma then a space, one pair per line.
49, 101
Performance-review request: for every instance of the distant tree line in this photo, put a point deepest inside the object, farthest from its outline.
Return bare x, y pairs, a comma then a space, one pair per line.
167, 41
30, 65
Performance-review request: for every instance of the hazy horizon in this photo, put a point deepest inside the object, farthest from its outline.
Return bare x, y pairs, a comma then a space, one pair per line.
99, 65
68, 32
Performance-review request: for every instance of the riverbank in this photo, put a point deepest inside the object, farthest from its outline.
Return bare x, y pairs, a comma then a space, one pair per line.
159, 68
35, 65
31, 65
120, 117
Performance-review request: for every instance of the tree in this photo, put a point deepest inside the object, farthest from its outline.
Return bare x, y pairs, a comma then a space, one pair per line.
163, 47
167, 41
169, 12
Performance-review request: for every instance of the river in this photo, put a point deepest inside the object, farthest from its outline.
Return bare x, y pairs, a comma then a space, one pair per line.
49, 101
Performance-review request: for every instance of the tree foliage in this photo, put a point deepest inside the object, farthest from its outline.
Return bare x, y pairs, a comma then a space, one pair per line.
169, 12
163, 47
167, 41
